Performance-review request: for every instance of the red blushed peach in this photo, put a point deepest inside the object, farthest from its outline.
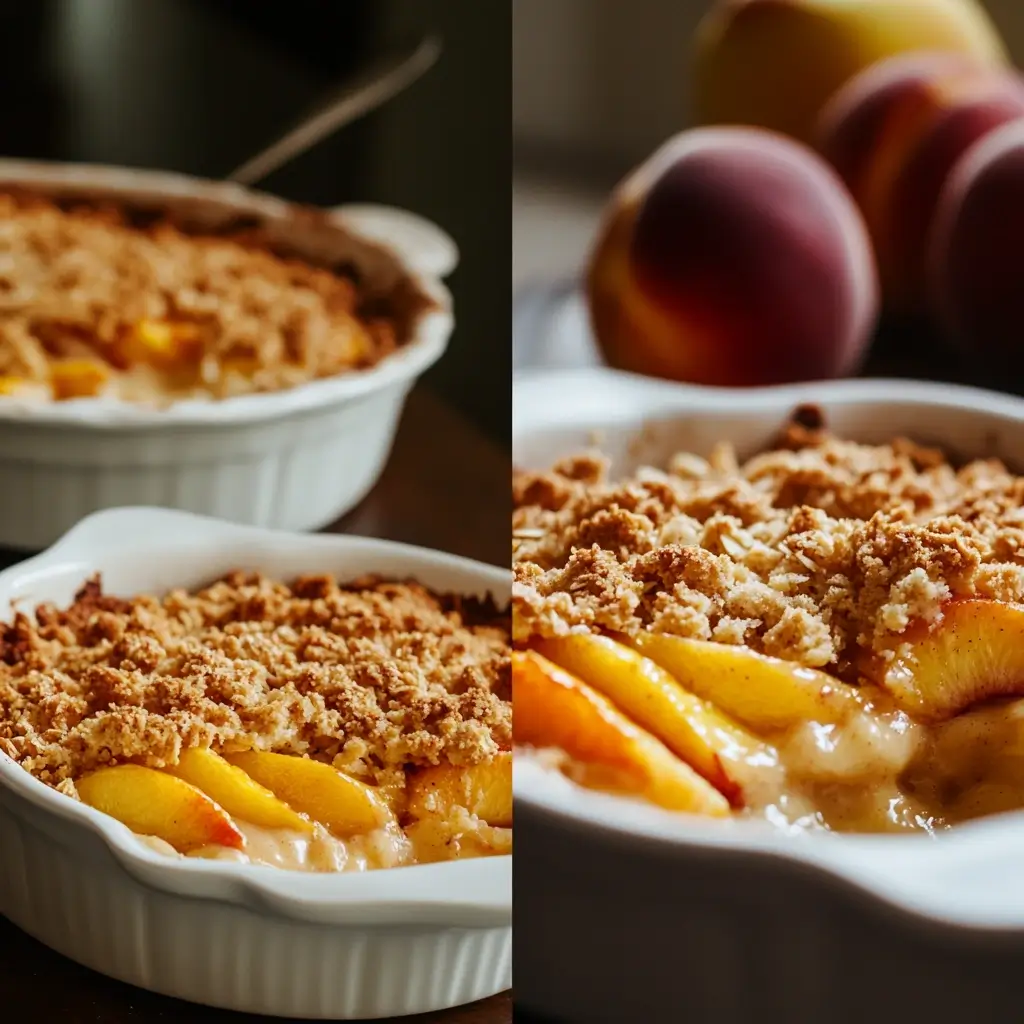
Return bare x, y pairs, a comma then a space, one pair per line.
975, 278
894, 134
733, 257
776, 63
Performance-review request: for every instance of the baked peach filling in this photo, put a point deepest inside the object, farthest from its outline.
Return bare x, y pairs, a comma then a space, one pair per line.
98, 301
309, 726
296, 813
829, 636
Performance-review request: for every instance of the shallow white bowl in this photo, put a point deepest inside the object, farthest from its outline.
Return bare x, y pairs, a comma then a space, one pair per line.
256, 459
626, 912
262, 940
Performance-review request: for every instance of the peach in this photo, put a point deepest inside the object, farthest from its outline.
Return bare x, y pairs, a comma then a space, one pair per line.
766, 694
973, 653
345, 806
77, 378
554, 709
733, 257
152, 803
690, 727
974, 279
776, 63
895, 133
233, 790
483, 789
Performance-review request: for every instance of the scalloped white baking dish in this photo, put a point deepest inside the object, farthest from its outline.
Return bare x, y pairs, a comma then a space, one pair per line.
263, 940
672, 918
295, 459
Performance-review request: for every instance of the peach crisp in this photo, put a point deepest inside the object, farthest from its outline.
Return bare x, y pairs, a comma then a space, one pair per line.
311, 725
828, 635
103, 301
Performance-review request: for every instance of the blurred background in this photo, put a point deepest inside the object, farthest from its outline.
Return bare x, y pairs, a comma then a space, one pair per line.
598, 85
199, 85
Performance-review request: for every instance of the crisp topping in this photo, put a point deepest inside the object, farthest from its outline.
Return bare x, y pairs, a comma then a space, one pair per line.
804, 551
372, 676
224, 312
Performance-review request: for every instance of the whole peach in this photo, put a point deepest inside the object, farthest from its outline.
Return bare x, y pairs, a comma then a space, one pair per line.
733, 257
776, 63
894, 133
976, 284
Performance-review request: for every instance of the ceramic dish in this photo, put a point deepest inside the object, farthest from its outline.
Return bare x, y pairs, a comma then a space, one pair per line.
668, 917
358, 945
254, 459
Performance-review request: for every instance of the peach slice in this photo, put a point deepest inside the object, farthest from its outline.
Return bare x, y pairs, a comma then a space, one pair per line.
764, 693
152, 803
483, 789
11, 385
77, 378
555, 709
345, 806
164, 343
238, 794
974, 652
690, 727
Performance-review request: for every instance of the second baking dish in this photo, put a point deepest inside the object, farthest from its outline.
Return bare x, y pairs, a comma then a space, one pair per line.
255, 458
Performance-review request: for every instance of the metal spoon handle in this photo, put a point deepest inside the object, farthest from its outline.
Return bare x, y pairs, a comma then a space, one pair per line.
372, 88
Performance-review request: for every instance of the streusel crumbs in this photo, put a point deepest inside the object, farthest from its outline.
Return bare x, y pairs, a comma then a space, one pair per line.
372, 676
804, 551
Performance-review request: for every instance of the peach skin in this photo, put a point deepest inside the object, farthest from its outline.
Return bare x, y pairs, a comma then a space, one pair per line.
776, 63
973, 264
895, 134
733, 257
555, 709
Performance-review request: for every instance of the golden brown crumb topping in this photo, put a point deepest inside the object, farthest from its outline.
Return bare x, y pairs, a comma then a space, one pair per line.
76, 282
802, 551
372, 676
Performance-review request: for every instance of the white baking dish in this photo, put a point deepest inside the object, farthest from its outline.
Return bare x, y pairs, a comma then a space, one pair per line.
625, 912
295, 459
262, 940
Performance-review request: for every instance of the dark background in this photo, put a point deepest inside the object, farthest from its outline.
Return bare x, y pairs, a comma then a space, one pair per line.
199, 85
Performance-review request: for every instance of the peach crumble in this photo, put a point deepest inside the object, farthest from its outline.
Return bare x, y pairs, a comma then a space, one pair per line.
310, 725
101, 300
829, 635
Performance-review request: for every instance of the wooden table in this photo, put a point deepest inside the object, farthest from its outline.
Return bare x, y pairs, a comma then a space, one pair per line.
447, 487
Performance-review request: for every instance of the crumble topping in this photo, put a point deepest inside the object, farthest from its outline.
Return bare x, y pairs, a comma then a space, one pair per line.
373, 676
76, 280
803, 551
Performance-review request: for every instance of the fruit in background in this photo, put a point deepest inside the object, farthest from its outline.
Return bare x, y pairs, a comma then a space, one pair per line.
973, 653
894, 133
733, 257
775, 63
153, 803
554, 709
974, 276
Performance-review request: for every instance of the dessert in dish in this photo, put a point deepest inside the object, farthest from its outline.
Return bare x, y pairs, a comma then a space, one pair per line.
310, 725
827, 635
102, 300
